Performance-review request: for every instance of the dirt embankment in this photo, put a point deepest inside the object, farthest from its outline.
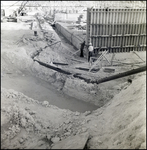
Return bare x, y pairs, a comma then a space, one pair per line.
28, 123
25, 45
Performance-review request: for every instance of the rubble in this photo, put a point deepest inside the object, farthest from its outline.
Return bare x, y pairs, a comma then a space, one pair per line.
76, 142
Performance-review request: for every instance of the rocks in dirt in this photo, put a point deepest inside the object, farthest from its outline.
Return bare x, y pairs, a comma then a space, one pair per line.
73, 142
77, 113
86, 113
143, 145
67, 134
48, 136
84, 129
67, 121
55, 139
45, 103
23, 122
21, 140
95, 142
93, 92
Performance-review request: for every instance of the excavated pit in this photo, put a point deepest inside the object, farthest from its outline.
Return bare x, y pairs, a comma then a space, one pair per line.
65, 78
32, 95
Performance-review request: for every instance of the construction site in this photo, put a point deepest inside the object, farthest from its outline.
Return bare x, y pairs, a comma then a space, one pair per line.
73, 74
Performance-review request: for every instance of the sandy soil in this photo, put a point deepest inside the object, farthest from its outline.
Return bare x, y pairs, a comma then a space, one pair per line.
31, 93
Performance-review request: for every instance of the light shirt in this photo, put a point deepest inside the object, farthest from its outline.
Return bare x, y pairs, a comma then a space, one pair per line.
90, 48
34, 25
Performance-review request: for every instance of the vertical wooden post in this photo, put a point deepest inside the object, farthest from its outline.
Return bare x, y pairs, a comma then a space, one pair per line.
97, 17
119, 28
93, 22
109, 27
107, 33
139, 21
100, 28
126, 31
141, 30
88, 26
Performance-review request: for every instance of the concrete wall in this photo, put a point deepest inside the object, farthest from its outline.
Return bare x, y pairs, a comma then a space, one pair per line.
70, 36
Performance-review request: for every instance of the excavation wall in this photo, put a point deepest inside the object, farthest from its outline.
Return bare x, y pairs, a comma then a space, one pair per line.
73, 36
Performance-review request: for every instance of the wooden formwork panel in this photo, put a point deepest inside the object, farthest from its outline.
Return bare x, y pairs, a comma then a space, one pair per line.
119, 30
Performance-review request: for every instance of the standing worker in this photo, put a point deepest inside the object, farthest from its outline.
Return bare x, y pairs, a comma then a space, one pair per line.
82, 48
90, 49
34, 26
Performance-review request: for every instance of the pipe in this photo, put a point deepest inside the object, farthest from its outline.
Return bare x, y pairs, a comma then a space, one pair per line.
120, 75
52, 67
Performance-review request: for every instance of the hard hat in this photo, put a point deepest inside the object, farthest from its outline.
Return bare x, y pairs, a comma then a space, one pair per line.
90, 43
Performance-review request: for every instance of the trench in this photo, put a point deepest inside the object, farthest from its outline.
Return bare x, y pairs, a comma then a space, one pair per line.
59, 103
41, 90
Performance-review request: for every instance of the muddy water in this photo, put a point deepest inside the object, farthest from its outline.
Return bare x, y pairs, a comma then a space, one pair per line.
40, 90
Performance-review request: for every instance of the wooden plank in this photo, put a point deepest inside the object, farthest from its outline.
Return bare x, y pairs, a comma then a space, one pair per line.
125, 31
141, 28
99, 27
93, 23
103, 29
96, 39
133, 29
98, 16
129, 29
144, 42
116, 30
119, 22
87, 27
109, 28
136, 29
92, 28
139, 20
106, 26
122, 30
113, 19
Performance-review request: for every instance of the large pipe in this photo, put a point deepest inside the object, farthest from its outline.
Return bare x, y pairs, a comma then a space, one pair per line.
52, 67
120, 75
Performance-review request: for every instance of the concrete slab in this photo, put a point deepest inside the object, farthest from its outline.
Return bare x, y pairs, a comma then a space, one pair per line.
73, 142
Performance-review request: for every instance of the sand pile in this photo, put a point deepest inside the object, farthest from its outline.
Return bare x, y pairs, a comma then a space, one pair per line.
28, 123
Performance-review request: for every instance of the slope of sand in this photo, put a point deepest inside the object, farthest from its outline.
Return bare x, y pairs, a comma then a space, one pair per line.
28, 123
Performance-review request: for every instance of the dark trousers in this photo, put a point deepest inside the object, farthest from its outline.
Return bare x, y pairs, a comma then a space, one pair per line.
35, 33
89, 55
81, 52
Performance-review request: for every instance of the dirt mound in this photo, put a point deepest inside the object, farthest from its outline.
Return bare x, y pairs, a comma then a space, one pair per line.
121, 122
118, 124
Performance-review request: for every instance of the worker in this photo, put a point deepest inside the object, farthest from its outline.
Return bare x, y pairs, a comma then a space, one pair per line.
90, 49
34, 26
82, 48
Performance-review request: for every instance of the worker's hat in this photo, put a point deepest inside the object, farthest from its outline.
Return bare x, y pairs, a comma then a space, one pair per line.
90, 43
